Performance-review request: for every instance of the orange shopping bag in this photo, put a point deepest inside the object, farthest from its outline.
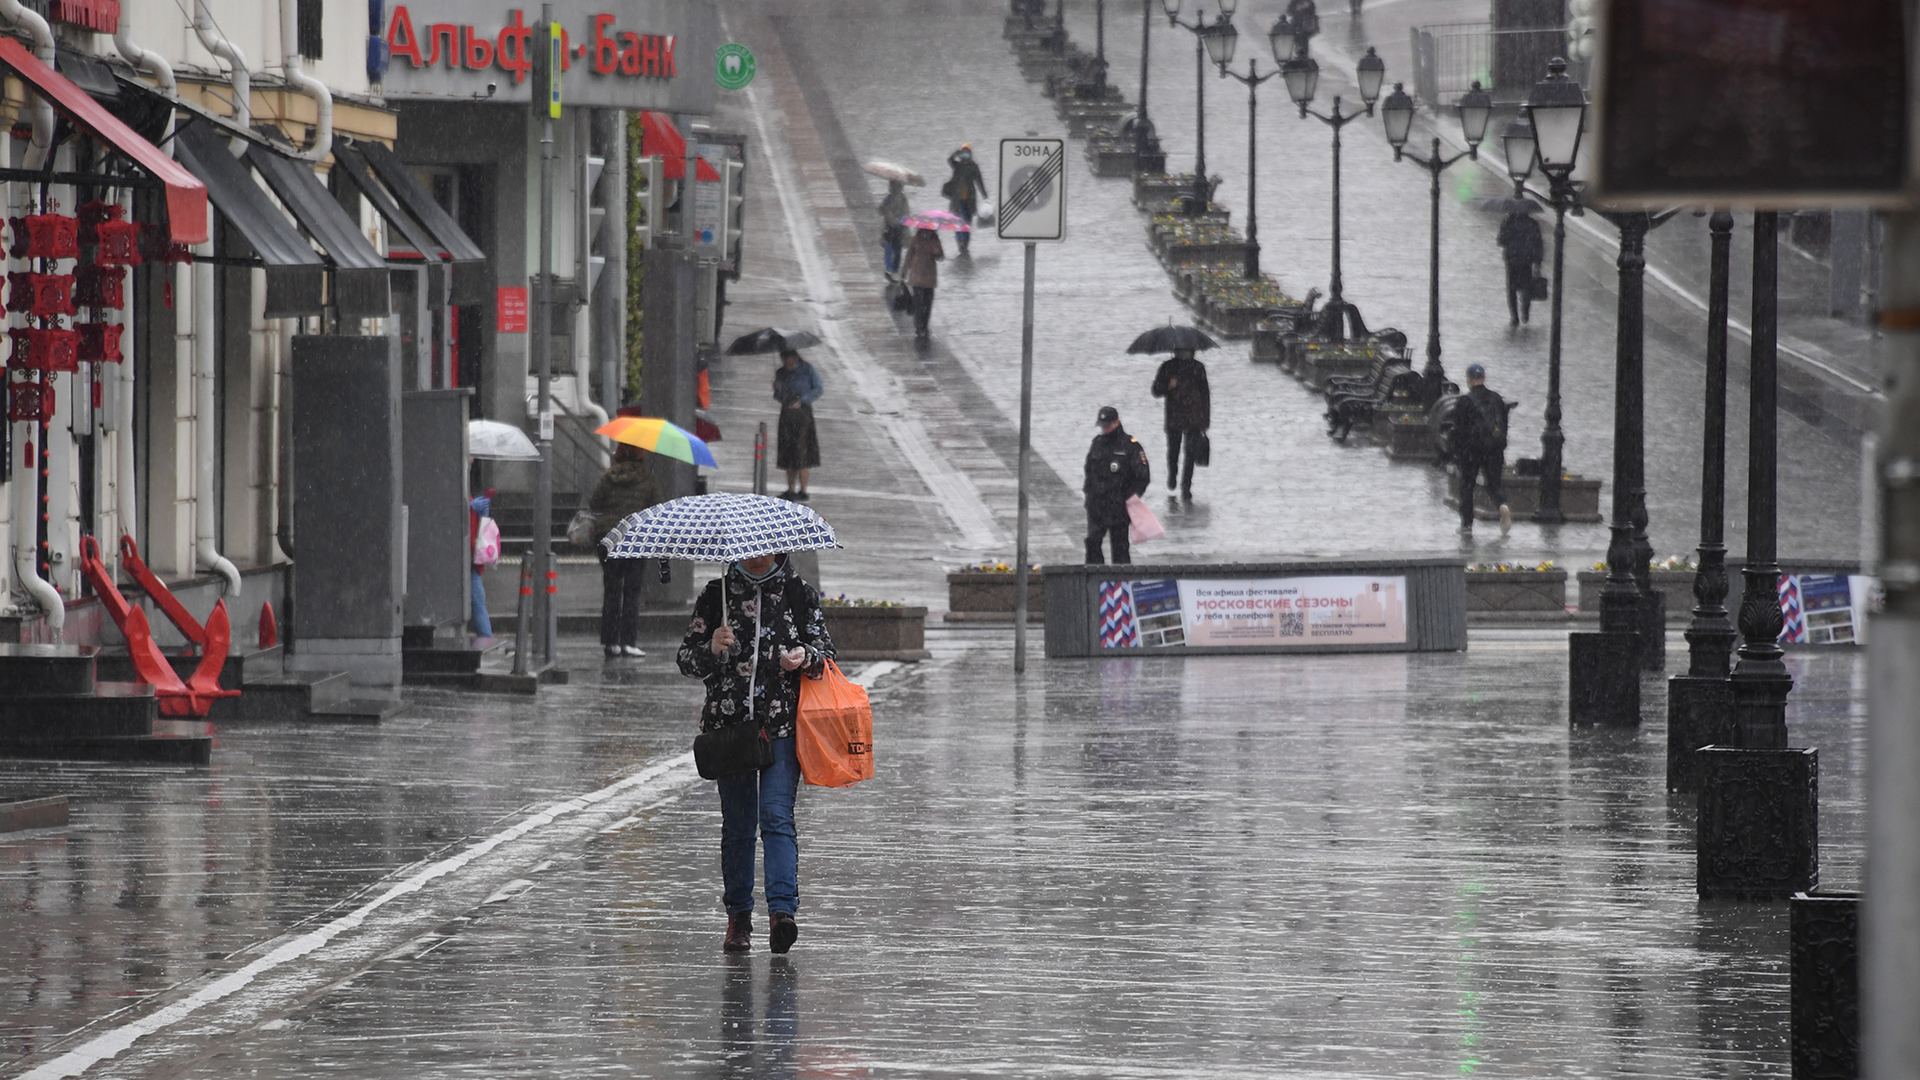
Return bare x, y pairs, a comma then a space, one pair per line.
835, 730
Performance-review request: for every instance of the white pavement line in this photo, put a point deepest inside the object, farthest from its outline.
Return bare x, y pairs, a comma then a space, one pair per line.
873, 672
955, 491
111, 1043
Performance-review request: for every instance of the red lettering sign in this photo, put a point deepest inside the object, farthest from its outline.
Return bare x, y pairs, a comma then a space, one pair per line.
615, 52
510, 310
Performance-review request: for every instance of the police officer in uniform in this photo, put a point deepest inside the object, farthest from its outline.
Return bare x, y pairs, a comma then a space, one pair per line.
1116, 470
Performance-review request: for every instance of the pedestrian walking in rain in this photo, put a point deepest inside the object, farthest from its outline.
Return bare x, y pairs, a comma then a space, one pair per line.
1182, 381
892, 233
1522, 248
756, 631
965, 188
923, 274
796, 386
627, 487
1480, 447
478, 509
1117, 470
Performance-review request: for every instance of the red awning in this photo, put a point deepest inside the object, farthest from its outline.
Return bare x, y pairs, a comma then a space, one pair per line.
661, 137
186, 196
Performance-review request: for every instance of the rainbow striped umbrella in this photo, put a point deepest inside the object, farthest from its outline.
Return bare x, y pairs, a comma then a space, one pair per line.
659, 436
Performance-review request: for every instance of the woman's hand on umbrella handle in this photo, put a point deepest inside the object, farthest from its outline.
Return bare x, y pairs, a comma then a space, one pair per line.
722, 641
791, 659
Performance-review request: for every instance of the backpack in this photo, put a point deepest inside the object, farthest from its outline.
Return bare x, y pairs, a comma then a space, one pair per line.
1489, 426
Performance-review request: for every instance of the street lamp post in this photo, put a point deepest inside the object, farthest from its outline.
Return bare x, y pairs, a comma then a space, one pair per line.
1396, 114
1209, 38
1302, 75
1251, 80
1550, 141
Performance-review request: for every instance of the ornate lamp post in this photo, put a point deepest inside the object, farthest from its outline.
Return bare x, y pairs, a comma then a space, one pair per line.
1302, 75
1208, 40
1252, 80
1146, 145
1550, 141
1396, 114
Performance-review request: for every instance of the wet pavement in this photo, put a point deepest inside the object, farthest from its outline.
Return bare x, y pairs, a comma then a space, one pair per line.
1224, 866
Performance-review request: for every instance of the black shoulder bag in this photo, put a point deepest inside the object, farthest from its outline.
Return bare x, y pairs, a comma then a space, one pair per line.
742, 747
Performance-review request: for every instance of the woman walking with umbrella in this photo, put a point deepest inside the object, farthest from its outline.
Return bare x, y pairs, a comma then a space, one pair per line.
923, 275
628, 487
965, 188
757, 630
796, 386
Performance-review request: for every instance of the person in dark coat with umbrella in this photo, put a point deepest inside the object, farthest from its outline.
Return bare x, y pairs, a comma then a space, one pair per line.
1480, 447
796, 386
1116, 470
965, 188
1182, 381
1523, 250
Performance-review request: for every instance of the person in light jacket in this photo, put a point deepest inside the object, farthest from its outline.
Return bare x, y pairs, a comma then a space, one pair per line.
796, 386
923, 275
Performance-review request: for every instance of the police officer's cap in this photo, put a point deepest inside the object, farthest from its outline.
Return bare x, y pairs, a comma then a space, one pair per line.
1476, 371
1108, 415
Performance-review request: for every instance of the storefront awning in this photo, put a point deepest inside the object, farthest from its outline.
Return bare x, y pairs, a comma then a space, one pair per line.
296, 275
186, 195
362, 285
661, 137
349, 163
472, 281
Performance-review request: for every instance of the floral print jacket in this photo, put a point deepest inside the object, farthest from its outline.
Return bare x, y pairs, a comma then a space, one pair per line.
789, 615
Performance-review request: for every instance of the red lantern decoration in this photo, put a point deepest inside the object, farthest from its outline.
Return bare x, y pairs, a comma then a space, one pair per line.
95, 211
43, 295
157, 246
31, 403
119, 243
51, 236
46, 350
100, 287
100, 342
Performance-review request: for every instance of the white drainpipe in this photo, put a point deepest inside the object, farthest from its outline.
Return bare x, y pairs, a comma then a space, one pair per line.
307, 84
26, 510
205, 356
161, 72
27, 19
236, 68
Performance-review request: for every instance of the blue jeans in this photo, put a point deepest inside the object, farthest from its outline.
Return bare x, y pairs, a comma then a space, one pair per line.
482, 625
764, 799
892, 251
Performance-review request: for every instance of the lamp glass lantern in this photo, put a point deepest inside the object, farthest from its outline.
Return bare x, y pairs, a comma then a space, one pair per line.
1282, 38
1172, 7
1220, 39
1557, 108
1303, 78
1517, 142
1373, 72
1476, 109
1228, 7
1396, 114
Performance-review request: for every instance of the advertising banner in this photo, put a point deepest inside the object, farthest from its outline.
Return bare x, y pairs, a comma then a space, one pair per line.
1825, 609
638, 54
1253, 612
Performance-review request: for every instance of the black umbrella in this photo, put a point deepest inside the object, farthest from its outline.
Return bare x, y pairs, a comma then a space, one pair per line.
771, 339
1172, 339
1506, 204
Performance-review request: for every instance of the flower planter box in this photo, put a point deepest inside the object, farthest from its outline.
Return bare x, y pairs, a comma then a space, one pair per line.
1110, 155
1267, 346
1507, 591
1404, 432
981, 597
1677, 585
1579, 499
1083, 119
1315, 366
1235, 321
878, 633
1211, 253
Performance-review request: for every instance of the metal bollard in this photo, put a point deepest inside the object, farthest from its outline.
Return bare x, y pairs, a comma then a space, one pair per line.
760, 460
553, 605
521, 628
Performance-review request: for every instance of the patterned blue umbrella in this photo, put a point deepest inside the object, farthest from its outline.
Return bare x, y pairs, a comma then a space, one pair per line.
724, 527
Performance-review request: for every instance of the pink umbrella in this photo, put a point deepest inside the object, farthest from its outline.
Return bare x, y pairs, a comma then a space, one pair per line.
936, 219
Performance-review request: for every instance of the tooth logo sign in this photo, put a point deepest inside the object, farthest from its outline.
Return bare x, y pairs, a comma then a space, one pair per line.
733, 66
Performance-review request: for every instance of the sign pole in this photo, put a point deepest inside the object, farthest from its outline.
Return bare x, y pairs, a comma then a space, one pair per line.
1026, 446
548, 102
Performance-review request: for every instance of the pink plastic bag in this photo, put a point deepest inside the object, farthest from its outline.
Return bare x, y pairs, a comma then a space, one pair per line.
1142, 525
486, 545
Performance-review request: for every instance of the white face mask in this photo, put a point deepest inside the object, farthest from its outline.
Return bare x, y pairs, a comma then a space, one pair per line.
758, 578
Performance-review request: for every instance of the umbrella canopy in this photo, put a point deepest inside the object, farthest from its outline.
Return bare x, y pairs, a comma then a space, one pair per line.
659, 436
496, 441
936, 219
887, 170
725, 527
1171, 338
1506, 204
771, 339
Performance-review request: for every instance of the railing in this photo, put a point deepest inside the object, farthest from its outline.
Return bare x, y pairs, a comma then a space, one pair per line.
1449, 58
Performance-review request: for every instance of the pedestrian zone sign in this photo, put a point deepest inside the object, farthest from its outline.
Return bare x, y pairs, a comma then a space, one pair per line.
1033, 189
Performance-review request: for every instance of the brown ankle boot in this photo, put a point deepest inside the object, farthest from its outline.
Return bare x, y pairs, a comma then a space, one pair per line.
739, 932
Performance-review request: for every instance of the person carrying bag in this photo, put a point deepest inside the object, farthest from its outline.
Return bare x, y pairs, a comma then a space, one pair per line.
757, 635
835, 731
